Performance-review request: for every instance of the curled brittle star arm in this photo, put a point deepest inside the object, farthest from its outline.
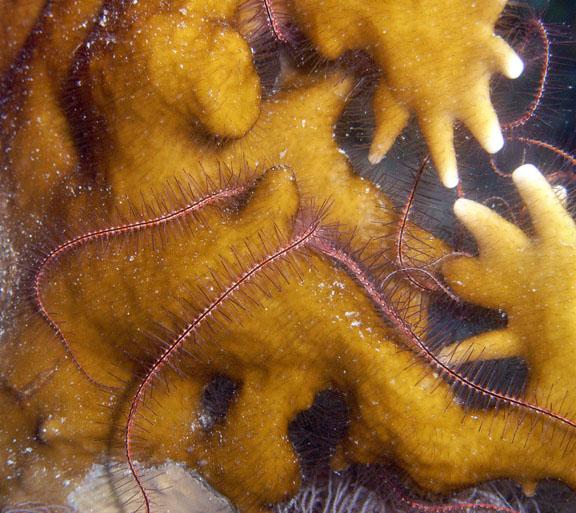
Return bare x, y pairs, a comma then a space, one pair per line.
192, 206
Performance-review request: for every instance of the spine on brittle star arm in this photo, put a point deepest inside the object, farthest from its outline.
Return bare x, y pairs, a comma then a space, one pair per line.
191, 206
274, 22
298, 242
415, 342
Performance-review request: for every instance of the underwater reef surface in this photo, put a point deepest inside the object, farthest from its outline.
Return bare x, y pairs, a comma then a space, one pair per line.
287, 255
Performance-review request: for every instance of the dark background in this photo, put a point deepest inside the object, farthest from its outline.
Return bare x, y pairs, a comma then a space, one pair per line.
557, 11
560, 16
